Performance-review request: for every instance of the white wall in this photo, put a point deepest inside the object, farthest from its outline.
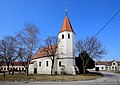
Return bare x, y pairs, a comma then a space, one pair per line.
43, 69
31, 68
101, 67
66, 46
66, 53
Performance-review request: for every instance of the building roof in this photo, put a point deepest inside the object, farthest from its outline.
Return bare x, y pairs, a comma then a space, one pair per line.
67, 25
107, 63
43, 52
14, 64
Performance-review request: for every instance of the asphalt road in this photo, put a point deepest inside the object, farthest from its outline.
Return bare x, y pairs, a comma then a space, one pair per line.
109, 79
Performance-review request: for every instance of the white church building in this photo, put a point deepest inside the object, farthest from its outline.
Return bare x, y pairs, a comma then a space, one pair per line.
65, 62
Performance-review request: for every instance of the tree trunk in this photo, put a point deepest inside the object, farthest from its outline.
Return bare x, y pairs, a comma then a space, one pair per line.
52, 73
8, 68
3, 73
12, 70
84, 69
27, 71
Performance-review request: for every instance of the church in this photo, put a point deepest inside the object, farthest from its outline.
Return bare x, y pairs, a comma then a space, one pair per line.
64, 62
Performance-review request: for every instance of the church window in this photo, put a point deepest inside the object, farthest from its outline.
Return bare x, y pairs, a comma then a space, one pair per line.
68, 36
62, 36
59, 63
40, 64
46, 63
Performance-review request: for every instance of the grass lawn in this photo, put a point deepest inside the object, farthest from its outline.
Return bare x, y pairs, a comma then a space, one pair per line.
118, 72
23, 77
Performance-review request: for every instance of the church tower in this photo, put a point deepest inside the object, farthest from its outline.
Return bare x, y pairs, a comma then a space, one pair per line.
66, 60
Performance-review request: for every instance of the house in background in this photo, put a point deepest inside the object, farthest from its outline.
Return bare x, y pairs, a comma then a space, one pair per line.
64, 62
18, 66
107, 66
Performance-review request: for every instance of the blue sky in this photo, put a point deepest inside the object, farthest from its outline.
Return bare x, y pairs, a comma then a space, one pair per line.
87, 18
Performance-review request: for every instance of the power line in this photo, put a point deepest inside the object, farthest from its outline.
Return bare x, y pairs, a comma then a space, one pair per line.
104, 26
107, 23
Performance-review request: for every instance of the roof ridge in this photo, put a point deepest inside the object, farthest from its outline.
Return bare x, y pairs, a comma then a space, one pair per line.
66, 26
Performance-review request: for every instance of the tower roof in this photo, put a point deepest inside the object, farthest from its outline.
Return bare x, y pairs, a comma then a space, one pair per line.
66, 25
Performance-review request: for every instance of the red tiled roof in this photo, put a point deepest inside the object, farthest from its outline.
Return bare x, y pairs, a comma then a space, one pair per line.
14, 64
19, 63
43, 52
32, 62
108, 63
66, 25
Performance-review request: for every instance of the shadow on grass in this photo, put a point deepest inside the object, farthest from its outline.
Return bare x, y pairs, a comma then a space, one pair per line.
95, 73
38, 77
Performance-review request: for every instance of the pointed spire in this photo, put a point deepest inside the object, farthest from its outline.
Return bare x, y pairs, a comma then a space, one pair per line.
66, 24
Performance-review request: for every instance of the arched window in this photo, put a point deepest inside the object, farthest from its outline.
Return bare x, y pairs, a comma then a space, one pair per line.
40, 64
59, 63
62, 36
68, 36
46, 63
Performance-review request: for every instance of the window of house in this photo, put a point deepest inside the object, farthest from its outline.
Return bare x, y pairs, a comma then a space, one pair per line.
101, 67
22, 69
59, 63
113, 63
16, 68
40, 64
11, 69
112, 67
106, 67
68, 36
46, 63
4, 68
62, 36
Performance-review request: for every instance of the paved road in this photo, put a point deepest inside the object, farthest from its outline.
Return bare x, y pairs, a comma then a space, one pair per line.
109, 79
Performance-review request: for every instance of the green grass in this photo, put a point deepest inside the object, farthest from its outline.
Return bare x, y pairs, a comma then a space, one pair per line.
23, 77
118, 72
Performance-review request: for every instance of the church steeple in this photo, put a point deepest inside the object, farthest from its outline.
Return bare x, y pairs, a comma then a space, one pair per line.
66, 24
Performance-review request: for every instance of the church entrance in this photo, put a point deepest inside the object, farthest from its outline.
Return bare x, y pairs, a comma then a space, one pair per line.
62, 70
35, 70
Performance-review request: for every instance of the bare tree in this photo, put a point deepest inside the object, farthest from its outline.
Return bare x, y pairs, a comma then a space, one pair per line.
28, 42
50, 48
8, 50
91, 47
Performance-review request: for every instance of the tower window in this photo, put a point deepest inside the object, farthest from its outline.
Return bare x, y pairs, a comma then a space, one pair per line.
68, 36
46, 63
62, 36
40, 64
59, 63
